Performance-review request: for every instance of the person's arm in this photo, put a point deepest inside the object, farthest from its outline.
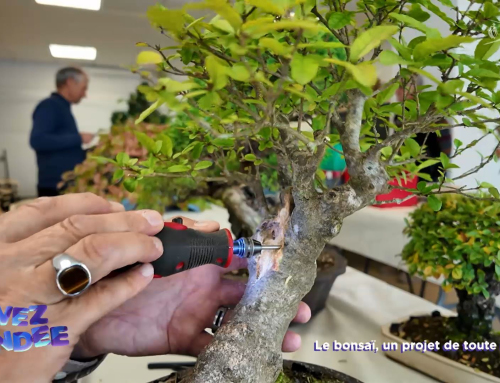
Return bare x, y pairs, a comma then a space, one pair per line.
43, 135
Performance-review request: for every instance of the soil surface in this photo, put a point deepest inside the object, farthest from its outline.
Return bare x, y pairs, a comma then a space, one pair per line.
442, 329
293, 376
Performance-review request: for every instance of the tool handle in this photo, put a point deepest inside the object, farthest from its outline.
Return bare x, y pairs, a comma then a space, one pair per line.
185, 249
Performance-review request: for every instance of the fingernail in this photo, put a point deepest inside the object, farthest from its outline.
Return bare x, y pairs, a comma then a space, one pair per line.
201, 223
154, 218
158, 244
146, 270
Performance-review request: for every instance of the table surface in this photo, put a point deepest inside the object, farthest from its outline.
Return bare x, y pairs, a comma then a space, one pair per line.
376, 233
357, 307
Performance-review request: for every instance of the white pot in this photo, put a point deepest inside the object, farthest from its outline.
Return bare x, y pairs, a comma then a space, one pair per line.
432, 364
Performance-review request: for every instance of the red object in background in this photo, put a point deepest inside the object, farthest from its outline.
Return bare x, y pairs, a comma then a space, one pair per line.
399, 194
396, 193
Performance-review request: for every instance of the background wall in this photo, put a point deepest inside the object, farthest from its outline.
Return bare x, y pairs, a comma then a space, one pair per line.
23, 85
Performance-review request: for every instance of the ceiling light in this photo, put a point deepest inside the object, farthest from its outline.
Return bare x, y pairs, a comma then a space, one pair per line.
73, 52
93, 5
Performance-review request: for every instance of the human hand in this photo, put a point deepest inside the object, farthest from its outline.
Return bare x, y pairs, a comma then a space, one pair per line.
93, 231
87, 137
171, 314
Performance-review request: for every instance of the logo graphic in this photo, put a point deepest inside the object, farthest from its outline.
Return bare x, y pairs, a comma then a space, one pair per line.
39, 335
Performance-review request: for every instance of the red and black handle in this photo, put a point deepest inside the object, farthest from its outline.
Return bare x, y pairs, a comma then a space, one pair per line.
185, 249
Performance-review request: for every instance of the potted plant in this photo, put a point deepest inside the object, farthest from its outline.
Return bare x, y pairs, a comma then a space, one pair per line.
241, 76
460, 244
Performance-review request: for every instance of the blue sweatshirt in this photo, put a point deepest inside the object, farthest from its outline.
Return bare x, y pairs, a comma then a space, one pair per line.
55, 139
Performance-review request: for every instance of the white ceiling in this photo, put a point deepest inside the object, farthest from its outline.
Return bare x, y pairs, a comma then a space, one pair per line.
27, 29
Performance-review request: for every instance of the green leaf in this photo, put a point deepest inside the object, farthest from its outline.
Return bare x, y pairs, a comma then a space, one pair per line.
149, 110
490, 11
430, 46
149, 57
117, 175
364, 73
141, 44
482, 73
170, 20
217, 70
304, 68
250, 157
203, 165
485, 292
267, 6
413, 147
432, 33
104, 160
198, 148
130, 184
434, 202
122, 159
404, 51
486, 48
157, 148
274, 46
370, 39
422, 186
426, 164
444, 160
494, 192
457, 273
178, 168
457, 143
338, 20
167, 146
268, 25
224, 142
146, 141
386, 94
239, 72
222, 8
319, 122
391, 58
497, 271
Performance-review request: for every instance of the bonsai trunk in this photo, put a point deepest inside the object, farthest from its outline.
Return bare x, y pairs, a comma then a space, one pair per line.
475, 311
278, 281
248, 348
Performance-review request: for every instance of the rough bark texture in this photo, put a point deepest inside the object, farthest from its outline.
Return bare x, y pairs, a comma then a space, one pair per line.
248, 348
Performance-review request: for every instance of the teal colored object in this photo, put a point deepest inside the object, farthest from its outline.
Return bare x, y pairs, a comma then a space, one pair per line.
333, 161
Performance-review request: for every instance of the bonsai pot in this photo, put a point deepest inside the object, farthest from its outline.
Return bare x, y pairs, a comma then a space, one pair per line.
296, 372
431, 363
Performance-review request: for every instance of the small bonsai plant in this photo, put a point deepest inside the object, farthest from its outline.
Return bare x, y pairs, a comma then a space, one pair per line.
460, 243
243, 75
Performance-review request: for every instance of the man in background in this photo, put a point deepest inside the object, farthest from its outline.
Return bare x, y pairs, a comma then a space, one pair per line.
54, 135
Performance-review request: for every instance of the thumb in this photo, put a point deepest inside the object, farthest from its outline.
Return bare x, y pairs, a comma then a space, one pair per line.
109, 294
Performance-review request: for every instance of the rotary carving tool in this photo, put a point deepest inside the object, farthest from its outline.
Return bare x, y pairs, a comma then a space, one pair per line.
185, 248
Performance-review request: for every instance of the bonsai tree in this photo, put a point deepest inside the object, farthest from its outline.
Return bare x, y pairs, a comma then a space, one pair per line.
461, 244
243, 75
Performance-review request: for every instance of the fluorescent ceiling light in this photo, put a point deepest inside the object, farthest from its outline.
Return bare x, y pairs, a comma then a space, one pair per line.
93, 5
73, 52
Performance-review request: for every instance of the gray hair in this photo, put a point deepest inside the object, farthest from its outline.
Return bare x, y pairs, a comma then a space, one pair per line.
65, 74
